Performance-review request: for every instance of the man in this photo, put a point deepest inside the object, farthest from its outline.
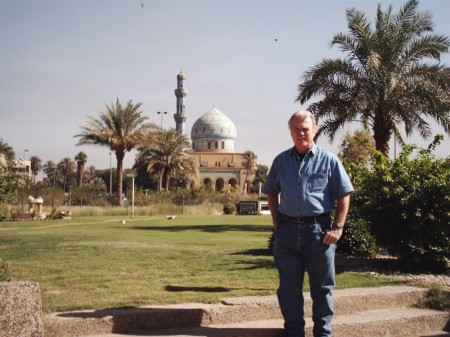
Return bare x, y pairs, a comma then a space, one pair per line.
302, 186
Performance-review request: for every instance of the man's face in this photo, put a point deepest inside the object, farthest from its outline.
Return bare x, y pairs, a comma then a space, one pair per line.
302, 133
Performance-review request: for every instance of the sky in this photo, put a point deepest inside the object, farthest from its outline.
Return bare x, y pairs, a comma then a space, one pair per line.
64, 60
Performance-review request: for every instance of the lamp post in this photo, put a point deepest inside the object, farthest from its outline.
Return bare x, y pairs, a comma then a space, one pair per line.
162, 113
132, 176
70, 197
24, 154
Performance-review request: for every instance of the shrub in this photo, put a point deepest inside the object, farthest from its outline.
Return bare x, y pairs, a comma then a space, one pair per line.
229, 208
437, 298
407, 202
5, 213
5, 271
357, 239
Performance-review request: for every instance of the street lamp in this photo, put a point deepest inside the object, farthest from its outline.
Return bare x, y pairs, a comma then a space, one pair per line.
132, 176
70, 197
162, 113
24, 154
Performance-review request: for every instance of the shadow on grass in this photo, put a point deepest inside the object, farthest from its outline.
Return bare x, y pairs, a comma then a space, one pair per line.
255, 252
200, 289
204, 228
382, 264
266, 263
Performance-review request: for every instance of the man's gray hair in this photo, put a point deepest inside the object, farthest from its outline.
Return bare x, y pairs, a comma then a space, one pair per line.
302, 114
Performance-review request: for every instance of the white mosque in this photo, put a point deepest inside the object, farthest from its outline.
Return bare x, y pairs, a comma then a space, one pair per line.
213, 137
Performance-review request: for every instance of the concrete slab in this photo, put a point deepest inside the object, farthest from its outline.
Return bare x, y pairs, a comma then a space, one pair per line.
368, 312
405, 322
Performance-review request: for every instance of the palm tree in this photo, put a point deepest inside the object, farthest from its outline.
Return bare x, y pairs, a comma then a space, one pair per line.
65, 167
121, 129
164, 153
90, 174
6, 150
249, 164
391, 75
97, 184
81, 159
50, 171
36, 166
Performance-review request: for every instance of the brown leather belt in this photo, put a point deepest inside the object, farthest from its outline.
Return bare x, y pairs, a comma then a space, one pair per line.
304, 219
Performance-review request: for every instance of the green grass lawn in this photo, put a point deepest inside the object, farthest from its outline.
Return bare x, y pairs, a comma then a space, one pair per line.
98, 262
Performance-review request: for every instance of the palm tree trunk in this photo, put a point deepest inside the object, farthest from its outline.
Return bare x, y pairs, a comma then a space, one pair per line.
119, 157
161, 175
80, 174
382, 133
166, 178
245, 182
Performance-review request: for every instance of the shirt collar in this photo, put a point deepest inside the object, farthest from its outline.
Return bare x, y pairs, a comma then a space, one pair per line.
314, 150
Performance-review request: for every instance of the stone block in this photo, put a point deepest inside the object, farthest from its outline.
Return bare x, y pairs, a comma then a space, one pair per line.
20, 310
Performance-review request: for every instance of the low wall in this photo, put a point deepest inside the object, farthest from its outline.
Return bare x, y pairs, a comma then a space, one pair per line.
20, 310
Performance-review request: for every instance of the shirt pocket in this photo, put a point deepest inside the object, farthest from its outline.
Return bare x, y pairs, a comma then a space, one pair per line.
317, 182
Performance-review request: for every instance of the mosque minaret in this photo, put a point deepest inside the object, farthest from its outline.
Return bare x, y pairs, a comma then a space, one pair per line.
180, 92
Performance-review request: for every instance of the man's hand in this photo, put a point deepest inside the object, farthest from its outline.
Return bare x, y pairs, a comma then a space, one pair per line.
332, 236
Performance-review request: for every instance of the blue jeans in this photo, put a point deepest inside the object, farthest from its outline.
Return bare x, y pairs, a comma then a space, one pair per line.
299, 248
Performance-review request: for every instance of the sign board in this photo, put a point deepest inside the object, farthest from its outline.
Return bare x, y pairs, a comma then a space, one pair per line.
248, 207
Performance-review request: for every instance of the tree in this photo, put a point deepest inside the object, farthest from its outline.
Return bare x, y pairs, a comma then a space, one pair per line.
357, 148
6, 150
164, 153
90, 173
9, 184
121, 129
65, 167
260, 176
81, 159
36, 166
249, 164
391, 75
50, 171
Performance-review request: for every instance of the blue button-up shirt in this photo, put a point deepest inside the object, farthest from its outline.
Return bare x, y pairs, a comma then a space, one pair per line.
307, 187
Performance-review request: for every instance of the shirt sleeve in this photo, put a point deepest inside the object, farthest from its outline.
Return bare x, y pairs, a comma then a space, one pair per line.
340, 181
272, 185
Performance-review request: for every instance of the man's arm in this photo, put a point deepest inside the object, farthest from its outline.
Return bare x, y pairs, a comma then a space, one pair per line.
272, 201
333, 235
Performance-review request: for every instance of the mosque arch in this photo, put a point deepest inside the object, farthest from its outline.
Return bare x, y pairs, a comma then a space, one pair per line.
220, 183
232, 182
207, 182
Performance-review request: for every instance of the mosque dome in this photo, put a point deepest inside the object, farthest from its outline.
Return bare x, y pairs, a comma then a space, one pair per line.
213, 131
